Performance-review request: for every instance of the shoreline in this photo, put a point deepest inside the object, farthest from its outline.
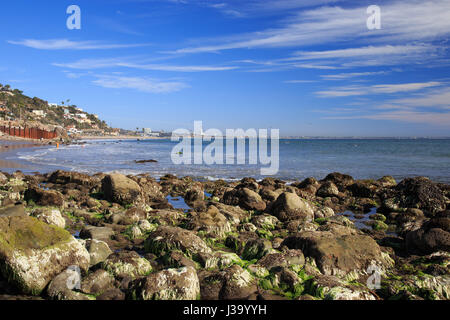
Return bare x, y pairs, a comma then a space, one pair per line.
81, 138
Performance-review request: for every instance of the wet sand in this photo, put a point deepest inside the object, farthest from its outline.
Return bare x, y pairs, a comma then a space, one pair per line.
9, 147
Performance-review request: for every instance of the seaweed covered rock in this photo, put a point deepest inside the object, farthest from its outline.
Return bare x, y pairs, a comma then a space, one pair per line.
65, 177
327, 189
169, 284
339, 179
33, 252
239, 284
127, 263
44, 197
212, 222
420, 193
433, 236
165, 239
339, 254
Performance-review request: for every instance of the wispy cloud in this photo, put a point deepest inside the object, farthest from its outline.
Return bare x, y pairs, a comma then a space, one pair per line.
402, 22
65, 44
345, 76
148, 85
430, 118
356, 90
89, 64
430, 107
364, 52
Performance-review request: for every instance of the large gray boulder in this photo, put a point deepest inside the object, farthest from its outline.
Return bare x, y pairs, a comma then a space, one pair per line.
120, 189
290, 206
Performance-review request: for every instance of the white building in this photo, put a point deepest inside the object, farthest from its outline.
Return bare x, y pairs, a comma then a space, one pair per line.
39, 113
53, 105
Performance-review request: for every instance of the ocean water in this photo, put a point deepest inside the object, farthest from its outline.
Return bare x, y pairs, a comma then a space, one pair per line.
361, 158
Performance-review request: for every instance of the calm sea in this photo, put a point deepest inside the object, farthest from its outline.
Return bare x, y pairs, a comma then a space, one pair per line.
361, 158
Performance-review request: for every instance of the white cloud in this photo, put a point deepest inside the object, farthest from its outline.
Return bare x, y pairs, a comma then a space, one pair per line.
376, 89
406, 87
365, 52
430, 118
138, 83
401, 21
434, 98
126, 63
345, 76
65, 44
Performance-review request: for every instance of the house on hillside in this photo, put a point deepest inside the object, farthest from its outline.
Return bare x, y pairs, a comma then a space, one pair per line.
54, 105
39, 113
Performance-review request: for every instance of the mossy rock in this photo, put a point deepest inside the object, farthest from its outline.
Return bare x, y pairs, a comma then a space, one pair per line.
33, 252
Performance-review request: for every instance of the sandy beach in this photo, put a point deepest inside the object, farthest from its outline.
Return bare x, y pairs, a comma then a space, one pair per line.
10, 145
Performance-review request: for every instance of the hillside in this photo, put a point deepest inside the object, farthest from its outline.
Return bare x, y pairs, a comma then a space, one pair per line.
17, 107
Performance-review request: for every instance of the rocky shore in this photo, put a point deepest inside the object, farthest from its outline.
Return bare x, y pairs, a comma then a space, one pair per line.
71, 236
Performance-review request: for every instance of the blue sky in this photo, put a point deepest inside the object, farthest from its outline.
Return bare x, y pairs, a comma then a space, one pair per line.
307, 67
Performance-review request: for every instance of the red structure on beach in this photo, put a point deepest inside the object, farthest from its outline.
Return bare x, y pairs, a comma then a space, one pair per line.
29, 133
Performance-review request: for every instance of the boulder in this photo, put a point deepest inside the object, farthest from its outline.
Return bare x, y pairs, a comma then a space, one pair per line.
387, 182
65, 177
170, 284
239, 284
13, 210
234, 214
98, 250
98, 233
127, 263
324, 212
45, 198
97, 282
289, 206
256, 249
33, 252
50, 216
362, 189
327, 189
339, 254
245, 198
121, 189
420, 193
194, 194
212, 222
289, 258
339, 179
63, 285
433, 236
165, 239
